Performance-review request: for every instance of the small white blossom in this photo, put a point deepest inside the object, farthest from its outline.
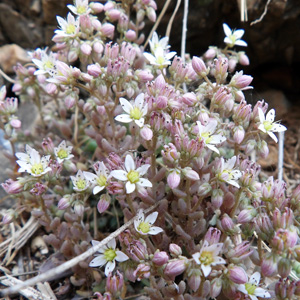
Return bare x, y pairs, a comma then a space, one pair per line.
145, 227
80, 183
108, 254
46, 63
156, 43
134, 112
251, 288
160, 58
267, 124
63, 152
206, 133
32, 162
227, 173
99, 179
68, 28
132, 175
208, 257
233, 37
80, 7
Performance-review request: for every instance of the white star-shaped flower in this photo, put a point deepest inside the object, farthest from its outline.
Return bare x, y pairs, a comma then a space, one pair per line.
80, 183
69, 27
145, 227
251, 288
134, 112
32, 162
156, 43
132, 175
267, 124
108, 254
63, 152
233, 37
46, 63
80, 7
99, 179
208, 257
160, 58
227, 173
206, 133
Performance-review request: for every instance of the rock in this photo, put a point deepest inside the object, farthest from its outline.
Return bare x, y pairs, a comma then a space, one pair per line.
10, 55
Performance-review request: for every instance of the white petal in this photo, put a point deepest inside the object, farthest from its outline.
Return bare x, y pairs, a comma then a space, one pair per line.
261, 115
140, 122
98, 189
129, 163
139, 101
119, 174
109, 267
241, 43
144, 182
234, 183
130, 187
227, 29
262, 293
213, 148
95, 243
150, 58
252, 297
24, 165
196, 257
123, 118
255, 278
262, 128
90, 176
112, 244
217, 139
231, 162
121, 256
155, 230
206, 269
98, 261
143, 169
126, 105
227, 40
170, 55
211, 126
273, 136
242, 288
271, 115
150, 219
239, 33
219, 261
278, 128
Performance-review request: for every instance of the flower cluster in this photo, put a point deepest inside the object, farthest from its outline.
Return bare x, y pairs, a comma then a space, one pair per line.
161, 142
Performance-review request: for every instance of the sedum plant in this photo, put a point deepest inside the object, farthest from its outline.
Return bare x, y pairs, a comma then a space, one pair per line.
123, 128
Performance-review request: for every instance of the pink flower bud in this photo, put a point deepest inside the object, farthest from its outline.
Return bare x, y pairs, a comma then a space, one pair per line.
96, 7
190, 99
217, 198
48, 146
284, 267
221, 67
241, 81
146, 133
150, 12
78, 208
232, 64
174, 268
144, 75
237, 275
160, 258
86, 49
190, 174
103, 203
238, 134
199, 66
142, 271
213, 235
98, 47
244, 60
108, 5
216, 287
130, 35
15, 123
12, 187
64, 202
246, 215
51, 88
115, 284
194, 279
94, 70
173, 179
70, 101
210, 53
8, 216
227, 224
175, 250
108, 29
269, 266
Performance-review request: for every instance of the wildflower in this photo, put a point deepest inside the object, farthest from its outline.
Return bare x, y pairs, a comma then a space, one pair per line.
227, 173
251, 288
99, 179
160, 58
132, 175
156, 43
267, 124
68, 28
80, 183
32, 162
63, 152
108, 255
206, 134
143, 226
233, 37
46, 62
80, 7
135, 112
208, 257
